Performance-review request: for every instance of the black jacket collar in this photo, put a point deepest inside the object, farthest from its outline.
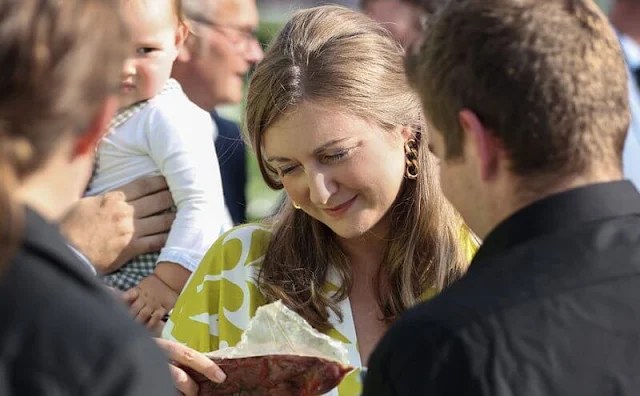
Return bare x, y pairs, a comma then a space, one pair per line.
567, 209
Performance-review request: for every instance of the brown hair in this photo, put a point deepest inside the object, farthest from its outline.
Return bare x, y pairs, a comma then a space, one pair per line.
546, 76
334, 55
59, 61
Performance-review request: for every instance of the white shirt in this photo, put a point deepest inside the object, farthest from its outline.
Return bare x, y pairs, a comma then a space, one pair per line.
631, 153
172, 137
83, 259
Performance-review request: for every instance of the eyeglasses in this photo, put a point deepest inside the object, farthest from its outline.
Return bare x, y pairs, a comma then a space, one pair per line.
240, 38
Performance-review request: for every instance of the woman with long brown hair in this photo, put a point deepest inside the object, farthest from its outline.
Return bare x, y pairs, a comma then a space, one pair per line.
365, 232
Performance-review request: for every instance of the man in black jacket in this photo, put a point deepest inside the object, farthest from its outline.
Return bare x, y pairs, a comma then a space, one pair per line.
526, 102
62, 332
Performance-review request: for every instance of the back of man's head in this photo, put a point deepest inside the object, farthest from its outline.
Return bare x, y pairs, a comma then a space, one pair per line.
546, 77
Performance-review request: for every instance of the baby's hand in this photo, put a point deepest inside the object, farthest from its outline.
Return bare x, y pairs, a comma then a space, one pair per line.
150, 301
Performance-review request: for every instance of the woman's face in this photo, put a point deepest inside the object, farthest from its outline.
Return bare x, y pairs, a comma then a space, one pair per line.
340, 169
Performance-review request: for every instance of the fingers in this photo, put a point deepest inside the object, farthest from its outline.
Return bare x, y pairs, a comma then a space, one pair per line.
154, 225
136, 306
112, 198
148, 244
143, 187
151, 204
144, 314
188, 357
157, 330
154, 321
184, 383
130, 295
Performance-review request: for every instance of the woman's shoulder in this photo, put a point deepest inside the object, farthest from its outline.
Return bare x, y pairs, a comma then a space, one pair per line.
247, 231
248, 243
250, 234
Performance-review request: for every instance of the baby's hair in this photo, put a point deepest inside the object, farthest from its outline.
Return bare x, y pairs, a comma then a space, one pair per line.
176, 5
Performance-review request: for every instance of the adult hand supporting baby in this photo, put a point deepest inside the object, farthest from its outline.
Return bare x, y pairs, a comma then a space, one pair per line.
112, 228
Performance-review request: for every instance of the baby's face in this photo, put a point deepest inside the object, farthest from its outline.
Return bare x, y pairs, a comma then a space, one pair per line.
157, 36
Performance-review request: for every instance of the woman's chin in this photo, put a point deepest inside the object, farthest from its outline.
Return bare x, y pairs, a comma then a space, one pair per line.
350, 230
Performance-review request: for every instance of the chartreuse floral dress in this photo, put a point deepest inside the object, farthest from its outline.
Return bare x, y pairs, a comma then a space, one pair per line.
221, 297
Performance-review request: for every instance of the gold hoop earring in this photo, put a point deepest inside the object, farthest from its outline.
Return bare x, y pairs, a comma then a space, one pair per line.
295, 205
411, 159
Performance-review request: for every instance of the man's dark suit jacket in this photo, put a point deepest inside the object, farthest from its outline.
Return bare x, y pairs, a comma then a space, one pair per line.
62, 333
550, 306
233, 167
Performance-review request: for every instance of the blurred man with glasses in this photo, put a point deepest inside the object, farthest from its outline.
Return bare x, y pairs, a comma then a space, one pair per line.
212, 70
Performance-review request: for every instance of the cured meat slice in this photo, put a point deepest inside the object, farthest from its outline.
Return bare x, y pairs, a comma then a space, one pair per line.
282, 375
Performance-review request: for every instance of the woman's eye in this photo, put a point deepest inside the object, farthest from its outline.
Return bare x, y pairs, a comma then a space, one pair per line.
287, 169
337, 156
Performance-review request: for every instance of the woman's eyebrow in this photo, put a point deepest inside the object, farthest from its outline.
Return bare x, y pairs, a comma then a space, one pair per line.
315, 151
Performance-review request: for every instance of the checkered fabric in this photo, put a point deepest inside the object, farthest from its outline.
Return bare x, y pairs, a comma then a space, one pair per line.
134, 271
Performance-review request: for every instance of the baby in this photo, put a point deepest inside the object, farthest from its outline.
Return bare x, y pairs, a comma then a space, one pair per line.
158, 131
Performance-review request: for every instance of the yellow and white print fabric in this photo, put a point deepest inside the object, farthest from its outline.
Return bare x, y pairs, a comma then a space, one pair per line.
221, 297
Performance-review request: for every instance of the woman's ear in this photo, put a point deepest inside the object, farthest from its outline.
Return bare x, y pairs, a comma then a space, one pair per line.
407, 133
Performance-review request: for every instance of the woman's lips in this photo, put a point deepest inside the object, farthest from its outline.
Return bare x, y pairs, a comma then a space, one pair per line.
340, 209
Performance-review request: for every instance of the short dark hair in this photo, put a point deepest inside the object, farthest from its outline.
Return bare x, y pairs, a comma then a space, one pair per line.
59, 61
429, 6
546, 76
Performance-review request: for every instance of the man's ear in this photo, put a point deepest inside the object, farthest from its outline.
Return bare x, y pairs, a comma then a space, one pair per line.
181, 36
88, 139
185, 52
485, 147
